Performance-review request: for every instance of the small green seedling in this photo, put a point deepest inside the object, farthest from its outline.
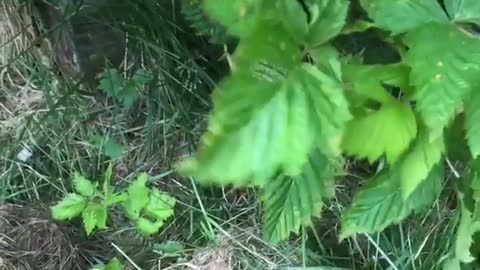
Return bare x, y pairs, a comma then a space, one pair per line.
88, 201
147, 207
114, 264
123, 90
107, 146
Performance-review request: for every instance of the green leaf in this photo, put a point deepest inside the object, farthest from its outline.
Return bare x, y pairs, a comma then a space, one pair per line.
116, 198
388, 131
267, 46
111, 82
160, 205
148, 227
260, 126
417, 164
368, 81
400, 16
327, 59
107, 146
94, 216
289, 202
71, 206
463, 11
138, 197
84, 186
380, 203
107, 182
443, 72
466, 228
472, 123
451, 264
294, 18
238, 16
327, 18
114, 264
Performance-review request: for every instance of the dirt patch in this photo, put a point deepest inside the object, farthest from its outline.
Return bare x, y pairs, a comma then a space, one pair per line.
29, 241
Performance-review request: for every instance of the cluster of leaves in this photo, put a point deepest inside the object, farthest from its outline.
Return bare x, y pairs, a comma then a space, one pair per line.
123, 90
147, 207
292, 107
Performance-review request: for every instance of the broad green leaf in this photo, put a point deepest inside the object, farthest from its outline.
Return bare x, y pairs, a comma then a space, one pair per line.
389, 131
238, 16
94, 216
290, 202
443, 72
417, 164
294, 18
327, 18
466, 228
327, 59
267, 46
463, 11
368, 81
148, 227
114, 264
400, 16
160, 205
472, 122
138, 197
84, 186
69, 207
380, 203
260, 126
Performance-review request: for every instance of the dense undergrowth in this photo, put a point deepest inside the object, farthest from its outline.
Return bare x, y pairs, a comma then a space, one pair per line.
145, 109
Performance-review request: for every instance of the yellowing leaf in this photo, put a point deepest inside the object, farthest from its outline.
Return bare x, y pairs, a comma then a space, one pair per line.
327, 18
94, 216
388, 131
463, 10
443, 72
71, 206
137, 197
417, 164
399, 16
261, 125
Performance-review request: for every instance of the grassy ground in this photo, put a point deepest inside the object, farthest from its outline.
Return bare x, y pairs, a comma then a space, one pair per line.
48, 122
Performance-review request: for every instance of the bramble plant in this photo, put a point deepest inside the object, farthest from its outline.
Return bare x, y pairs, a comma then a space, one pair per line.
114, 264
293, 106
147, 207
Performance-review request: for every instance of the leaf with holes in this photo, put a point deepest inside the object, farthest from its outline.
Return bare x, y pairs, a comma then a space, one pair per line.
443, 72
289, 201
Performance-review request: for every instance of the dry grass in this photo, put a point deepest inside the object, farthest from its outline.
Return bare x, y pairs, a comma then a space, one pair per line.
28, 240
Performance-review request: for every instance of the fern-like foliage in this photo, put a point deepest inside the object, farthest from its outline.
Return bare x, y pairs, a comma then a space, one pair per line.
194, 13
